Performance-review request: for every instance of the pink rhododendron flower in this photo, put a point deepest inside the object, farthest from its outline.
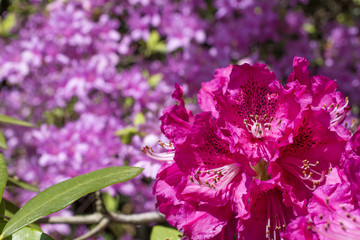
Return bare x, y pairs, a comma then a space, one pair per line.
248, 164
333, 214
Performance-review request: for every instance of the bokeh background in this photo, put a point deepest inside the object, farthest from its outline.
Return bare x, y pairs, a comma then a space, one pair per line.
95, 75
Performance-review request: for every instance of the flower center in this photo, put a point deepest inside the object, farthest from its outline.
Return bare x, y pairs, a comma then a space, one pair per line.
261, 170
216, 178
307, 172
258, 125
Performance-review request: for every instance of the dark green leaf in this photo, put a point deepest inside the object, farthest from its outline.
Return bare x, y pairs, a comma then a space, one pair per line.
11, 209
29, 234
3, 141
63, 194
14, 121
3, 175
164, 233
2, 207
22, 184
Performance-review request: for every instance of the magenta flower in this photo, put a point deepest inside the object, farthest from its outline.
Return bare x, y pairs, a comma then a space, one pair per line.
249, 164
208, 190
333, 214
307, 152
321, 92
334, 209
270, 210
251, 103
352, 163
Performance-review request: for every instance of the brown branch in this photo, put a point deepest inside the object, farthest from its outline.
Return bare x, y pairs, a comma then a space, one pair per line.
95, 218
103, 220
101, 226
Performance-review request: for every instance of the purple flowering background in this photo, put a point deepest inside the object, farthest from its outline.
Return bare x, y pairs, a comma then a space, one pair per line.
95, 76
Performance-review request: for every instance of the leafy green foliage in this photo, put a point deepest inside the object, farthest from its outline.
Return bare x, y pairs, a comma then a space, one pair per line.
164, 233
3, 175
21, 184
155, 44
14, 121
29, 233
126, 134
7, 24
3, 144
63, 194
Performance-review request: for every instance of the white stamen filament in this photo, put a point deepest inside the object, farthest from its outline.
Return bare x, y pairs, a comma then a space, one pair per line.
216, 178
338, 113
257, 125
275, 217
305, 173
165, 156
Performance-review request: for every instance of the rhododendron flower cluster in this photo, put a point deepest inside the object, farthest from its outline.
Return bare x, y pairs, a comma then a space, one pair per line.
259, 157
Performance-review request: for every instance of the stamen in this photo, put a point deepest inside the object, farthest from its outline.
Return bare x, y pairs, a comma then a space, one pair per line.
338, 113
276, 221
168, 146
306, 172
216, 178
258, 125
165, 156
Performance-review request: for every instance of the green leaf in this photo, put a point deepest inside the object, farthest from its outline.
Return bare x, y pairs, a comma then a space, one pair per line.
2, 207
22, 184
164, 233
3, 144
111, 203
139, 119
10, 208
63, 194
126, 134
14, 121
154, 43
7, 24
3, 175
154, 80
29, 233
309, 28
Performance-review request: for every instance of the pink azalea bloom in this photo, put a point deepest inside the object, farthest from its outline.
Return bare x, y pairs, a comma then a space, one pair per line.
321, 92
307, 153
207, 183
352, 163
270, 209
248, 165
251, 103
333, 215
